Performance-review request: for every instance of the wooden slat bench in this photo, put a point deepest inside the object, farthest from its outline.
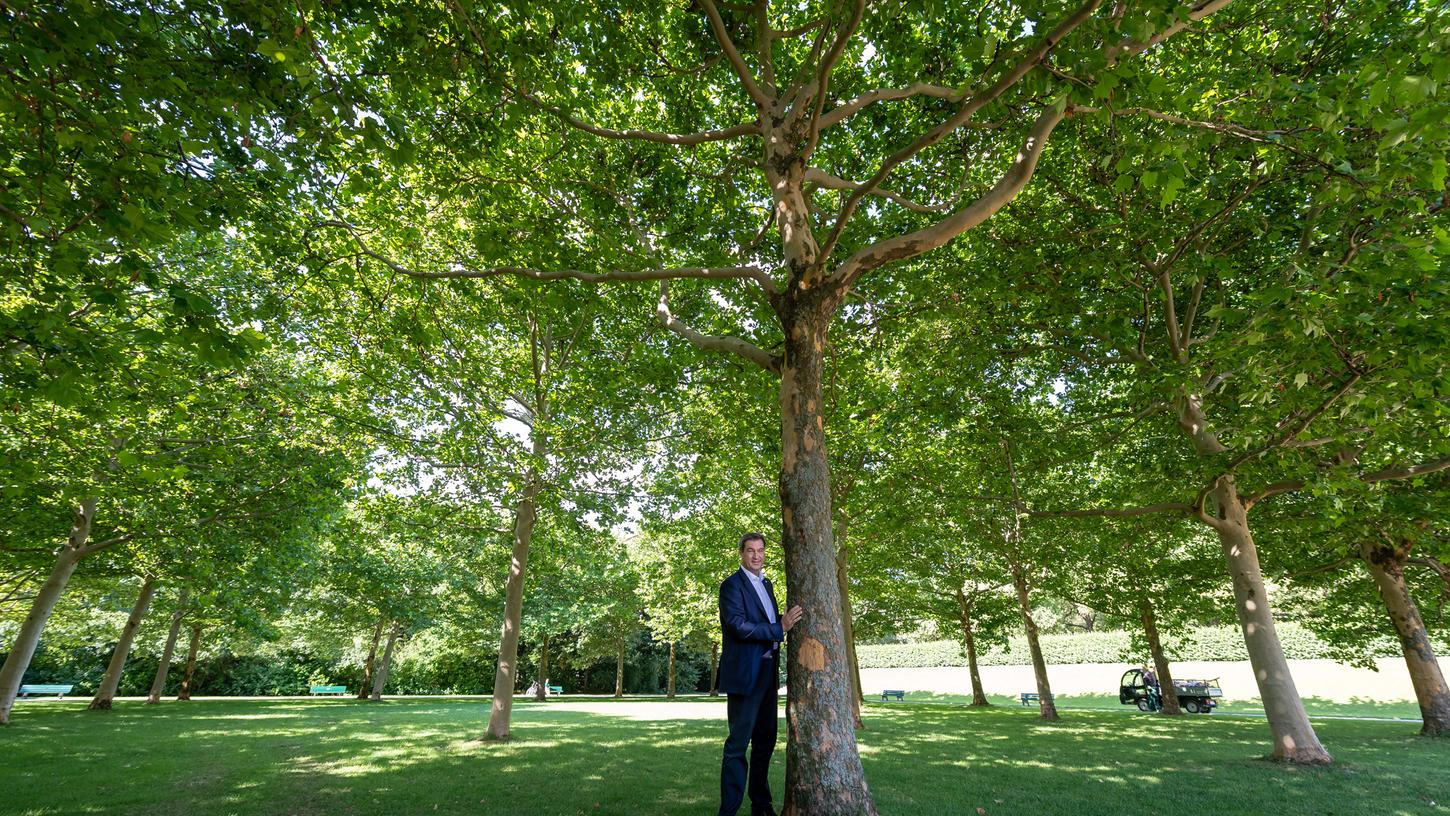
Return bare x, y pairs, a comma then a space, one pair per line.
898, 694
556, 690
338, 690
1032, 697
58, 690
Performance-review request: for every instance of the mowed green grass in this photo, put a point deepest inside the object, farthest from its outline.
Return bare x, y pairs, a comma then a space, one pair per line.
422, 756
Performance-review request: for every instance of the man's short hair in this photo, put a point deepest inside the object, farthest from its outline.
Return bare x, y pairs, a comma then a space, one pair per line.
748, 537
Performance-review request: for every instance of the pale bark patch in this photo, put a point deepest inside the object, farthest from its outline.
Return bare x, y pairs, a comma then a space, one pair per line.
812, 654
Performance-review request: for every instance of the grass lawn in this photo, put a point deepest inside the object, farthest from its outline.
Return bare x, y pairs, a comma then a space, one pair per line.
422, 756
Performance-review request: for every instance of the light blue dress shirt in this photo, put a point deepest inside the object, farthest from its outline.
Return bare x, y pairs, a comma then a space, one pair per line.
758, 581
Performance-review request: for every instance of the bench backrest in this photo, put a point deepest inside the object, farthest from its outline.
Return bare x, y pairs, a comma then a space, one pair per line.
329, 689
51, 689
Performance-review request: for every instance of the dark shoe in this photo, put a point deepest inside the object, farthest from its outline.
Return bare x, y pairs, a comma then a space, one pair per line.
768, 810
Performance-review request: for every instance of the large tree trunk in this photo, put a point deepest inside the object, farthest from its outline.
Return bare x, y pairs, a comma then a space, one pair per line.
843, 581
158, 685
112, 680
381, 678
184, 693
505, 677
714, 669
13, 672
619, 672
1294, 738
670, 678
1387, 566
541, 693
969, 642
1046, 706
823, 768
1160, 660
367, 679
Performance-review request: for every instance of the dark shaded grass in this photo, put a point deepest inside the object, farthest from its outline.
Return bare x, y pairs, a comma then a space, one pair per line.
340, 757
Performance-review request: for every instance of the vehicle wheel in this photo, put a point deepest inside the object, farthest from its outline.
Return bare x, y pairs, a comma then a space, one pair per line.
1191, 706
1142, 705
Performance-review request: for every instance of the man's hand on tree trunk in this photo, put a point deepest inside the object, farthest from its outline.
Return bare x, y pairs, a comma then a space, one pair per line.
791, 617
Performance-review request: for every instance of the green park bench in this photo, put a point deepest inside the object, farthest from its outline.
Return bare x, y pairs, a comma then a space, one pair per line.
338, 690
556, 690
58, 690
1032, 697
900, 695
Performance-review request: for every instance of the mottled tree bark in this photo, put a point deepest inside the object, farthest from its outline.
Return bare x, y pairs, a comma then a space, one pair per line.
184, 693
969, 643
505, 677
619, 672
1294, 737
158, 685
714, 669
367, 679
541, 690
28, 638
1160, 660
1387, 566
843, 580
670, 678
112, 679
384, 668
1046, 706
823, 768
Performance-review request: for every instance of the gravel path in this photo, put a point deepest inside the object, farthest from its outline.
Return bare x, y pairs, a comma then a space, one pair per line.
1324, 679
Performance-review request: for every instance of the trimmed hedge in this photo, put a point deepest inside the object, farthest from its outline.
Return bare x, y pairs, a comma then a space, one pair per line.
1202, 643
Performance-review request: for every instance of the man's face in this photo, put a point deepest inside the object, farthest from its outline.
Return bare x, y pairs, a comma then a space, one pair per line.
753, 556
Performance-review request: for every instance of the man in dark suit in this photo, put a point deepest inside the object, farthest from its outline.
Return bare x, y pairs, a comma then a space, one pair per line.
752, 631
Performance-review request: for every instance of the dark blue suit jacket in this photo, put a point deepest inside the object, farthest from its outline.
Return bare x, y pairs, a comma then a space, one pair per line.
747, 634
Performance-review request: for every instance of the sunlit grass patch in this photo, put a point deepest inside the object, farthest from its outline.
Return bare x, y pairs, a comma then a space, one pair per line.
659, 757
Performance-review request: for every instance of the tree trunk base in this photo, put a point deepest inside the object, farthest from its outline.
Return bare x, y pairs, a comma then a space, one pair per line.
980, 704
153, 699
1304, 756
1435, 729
491, 737
99, 705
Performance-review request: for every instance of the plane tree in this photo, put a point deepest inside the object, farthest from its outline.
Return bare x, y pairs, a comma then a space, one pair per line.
652, 145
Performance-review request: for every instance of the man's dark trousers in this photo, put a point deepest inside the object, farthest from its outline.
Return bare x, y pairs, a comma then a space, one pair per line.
753, 719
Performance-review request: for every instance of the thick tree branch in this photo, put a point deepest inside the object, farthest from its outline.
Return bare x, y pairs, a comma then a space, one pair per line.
1388, 474
924, 240
705, 342
765, 41
732, 55
846, 110
830, 182
1196, 12
965, 113
822, 85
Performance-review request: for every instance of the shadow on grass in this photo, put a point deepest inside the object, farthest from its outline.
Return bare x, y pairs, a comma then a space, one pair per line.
427, 756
